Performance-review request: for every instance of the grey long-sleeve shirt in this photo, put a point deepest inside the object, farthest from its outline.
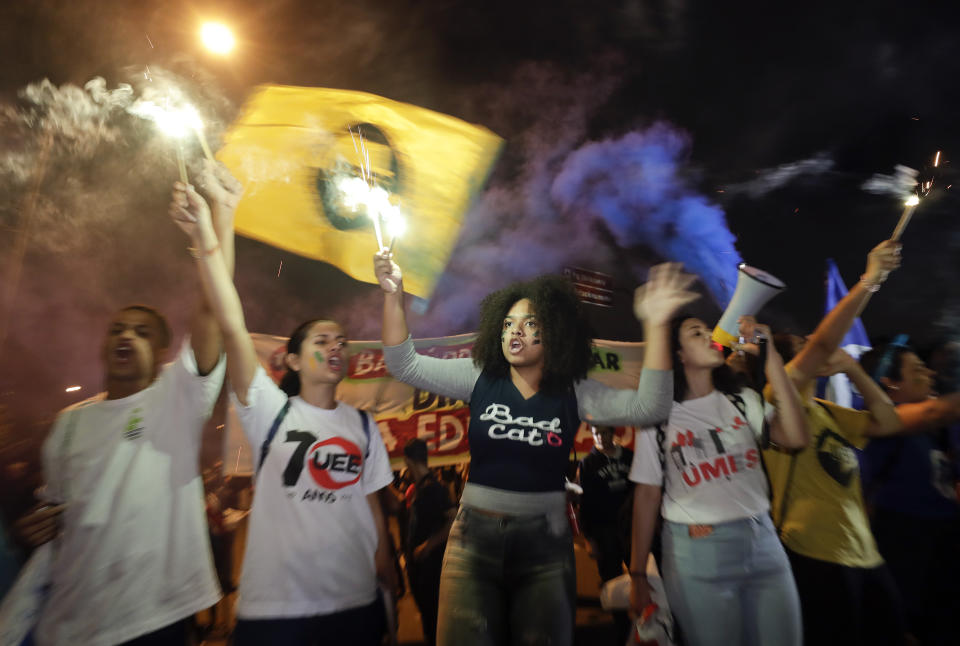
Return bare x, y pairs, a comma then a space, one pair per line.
597, 403
508, 478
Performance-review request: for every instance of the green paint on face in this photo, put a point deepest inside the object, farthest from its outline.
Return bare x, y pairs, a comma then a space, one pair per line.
318, 357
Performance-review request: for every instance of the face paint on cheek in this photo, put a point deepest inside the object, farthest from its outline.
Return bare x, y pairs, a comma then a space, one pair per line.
536, 338
317, 359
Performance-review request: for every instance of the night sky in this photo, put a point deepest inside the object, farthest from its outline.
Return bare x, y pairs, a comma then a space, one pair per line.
828, 93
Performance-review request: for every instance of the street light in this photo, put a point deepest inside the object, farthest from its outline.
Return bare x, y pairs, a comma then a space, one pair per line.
217, 37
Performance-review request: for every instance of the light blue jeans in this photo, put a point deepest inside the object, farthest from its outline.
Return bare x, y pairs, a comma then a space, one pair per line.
732, 587
507, 580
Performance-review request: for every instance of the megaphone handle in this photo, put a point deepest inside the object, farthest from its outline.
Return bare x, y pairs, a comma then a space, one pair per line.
760, 378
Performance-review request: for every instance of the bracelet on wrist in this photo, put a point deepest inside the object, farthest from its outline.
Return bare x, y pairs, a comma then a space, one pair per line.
637, 575
871, 286
198, 254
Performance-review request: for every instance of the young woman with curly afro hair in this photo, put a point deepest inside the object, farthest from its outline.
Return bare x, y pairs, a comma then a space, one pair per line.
508, 571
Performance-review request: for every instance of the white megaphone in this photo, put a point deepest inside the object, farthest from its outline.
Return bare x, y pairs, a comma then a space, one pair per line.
754, 288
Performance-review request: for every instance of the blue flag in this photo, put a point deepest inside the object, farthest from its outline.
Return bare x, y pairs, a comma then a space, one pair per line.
838, 388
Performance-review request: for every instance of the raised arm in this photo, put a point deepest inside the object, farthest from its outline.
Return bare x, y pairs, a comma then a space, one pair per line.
451, 377
191, 213
788, 427
931, 414
655, 304
883, 414
394, 312
882, 259
224, 192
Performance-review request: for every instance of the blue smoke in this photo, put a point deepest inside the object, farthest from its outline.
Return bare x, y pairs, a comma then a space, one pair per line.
635, 186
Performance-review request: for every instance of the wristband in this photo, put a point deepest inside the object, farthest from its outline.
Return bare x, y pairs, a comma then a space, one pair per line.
197, 254
873, 288
637, 574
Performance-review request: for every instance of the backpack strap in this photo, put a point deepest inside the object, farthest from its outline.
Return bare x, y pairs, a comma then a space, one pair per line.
784, 504
272, 433
365, 420
737, 400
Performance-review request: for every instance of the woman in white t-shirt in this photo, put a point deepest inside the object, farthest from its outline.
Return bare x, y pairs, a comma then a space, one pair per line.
317, 543
725, 572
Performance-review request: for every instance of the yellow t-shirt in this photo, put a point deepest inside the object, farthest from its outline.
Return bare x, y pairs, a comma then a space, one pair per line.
820, 486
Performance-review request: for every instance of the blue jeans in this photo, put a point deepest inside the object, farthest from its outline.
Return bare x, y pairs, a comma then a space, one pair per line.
507, 580
733, 586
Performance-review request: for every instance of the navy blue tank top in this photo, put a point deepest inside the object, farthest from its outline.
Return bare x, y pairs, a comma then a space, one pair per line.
520, 444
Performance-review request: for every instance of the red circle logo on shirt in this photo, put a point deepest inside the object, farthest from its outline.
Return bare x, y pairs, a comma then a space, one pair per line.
335, 463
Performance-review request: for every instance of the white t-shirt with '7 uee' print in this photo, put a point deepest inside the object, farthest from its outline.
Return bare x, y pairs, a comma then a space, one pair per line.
134, 555
713, 464
312, 536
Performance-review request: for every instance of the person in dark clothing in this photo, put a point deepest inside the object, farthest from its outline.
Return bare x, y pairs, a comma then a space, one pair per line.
605, 508
911, 485
606, 491
429, 523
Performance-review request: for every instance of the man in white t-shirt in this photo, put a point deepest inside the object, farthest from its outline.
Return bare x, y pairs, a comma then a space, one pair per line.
131, 561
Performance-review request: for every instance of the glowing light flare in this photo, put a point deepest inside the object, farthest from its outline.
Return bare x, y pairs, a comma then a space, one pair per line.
396, 226
72, 389
913, 200
192, 117
363, 192
357, 195
217, 38
176, 123
936, 159
173, 122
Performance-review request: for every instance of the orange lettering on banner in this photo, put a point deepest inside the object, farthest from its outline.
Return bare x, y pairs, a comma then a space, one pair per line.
444, 432
367, 364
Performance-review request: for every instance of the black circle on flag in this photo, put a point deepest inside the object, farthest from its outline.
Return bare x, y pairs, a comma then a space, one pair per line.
384, 166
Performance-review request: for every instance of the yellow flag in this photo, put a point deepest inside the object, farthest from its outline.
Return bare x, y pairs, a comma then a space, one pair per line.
293, 148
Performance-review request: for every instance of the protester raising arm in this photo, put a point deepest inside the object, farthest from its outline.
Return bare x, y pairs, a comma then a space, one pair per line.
910, 385
394, 312
788, 428
191, 213
929, 415
224, 193
883, 414
820, 346
655, 303
451, 377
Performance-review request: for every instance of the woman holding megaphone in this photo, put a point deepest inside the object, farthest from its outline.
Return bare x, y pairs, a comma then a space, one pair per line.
725, 572
508, 571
